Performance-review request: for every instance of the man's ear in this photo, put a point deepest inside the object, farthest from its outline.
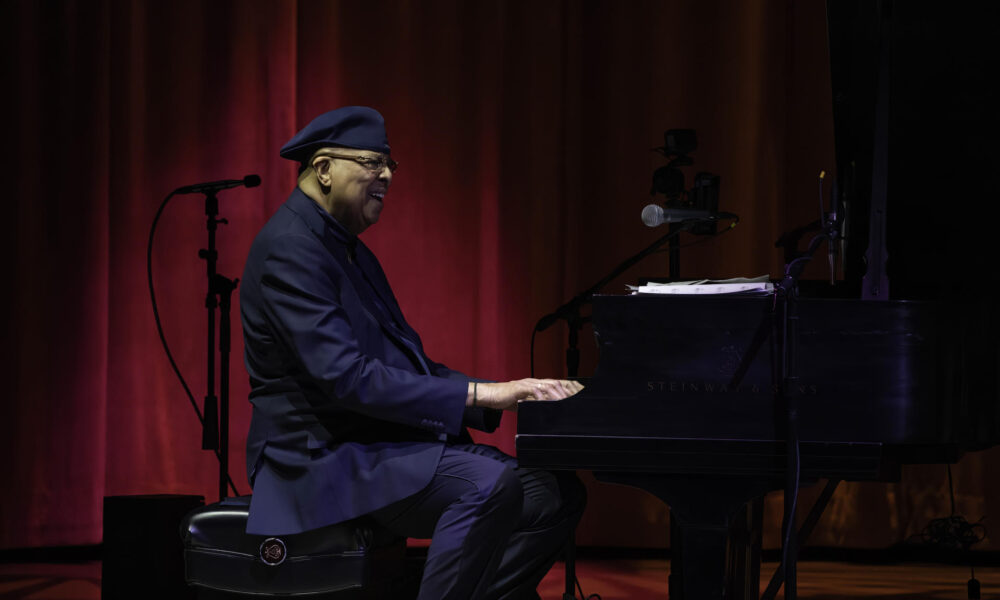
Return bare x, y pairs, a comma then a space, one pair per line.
321, 165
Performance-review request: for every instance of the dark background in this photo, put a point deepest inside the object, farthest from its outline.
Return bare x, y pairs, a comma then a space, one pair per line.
524, 131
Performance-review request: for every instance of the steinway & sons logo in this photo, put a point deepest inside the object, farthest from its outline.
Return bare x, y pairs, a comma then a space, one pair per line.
715, 387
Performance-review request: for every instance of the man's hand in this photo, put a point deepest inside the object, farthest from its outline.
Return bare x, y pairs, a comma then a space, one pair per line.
506, 395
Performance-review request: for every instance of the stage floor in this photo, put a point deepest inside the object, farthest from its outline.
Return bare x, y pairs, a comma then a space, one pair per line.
613, 579
818, 580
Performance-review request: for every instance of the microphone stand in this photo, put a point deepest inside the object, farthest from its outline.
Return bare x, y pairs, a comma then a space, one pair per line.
675, 254
786, 397
570, 312
215, 427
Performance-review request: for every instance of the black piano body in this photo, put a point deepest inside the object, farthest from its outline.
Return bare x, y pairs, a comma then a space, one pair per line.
911, 381
683, 402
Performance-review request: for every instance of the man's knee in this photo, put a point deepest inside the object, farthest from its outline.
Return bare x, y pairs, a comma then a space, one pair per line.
506, 495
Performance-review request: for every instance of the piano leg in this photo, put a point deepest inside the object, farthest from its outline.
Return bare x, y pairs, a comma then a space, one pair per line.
569, 592
703, 509
743, 572
703, 545
675, 579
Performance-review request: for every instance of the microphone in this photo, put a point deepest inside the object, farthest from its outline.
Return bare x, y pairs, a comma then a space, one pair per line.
214, 186
655, 215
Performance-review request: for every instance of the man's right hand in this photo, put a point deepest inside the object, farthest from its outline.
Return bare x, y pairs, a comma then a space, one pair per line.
507, 394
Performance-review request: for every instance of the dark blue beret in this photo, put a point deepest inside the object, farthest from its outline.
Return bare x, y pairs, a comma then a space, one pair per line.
347, 127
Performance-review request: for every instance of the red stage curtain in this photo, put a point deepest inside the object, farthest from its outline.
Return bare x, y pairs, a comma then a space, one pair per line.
524, 132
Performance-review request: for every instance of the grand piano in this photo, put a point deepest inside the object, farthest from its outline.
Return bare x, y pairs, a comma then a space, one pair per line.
896, 364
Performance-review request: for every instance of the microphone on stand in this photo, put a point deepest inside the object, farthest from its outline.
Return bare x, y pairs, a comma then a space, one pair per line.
655, 215
214, 186
829, 221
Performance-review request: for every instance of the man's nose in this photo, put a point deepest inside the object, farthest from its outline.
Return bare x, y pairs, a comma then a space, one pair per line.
385, 174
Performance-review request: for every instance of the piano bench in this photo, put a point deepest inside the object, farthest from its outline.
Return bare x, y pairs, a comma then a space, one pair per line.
354, 560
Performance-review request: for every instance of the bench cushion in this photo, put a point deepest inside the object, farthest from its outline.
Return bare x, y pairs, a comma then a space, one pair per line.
354, 555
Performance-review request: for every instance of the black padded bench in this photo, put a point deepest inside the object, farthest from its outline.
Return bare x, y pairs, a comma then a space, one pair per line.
347, 561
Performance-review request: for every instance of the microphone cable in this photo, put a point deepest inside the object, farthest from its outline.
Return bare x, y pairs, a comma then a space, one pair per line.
159, 329
583, 596
955, 533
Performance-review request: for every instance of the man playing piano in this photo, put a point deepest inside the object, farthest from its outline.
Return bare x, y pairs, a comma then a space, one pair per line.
351, 418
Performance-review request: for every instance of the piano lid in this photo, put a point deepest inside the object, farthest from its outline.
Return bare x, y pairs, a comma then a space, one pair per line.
942, 143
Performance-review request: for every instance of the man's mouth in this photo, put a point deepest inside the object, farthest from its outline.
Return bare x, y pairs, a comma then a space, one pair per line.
377, 195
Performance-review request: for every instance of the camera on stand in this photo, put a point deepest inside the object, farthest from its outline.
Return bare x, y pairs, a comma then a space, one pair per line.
669, 180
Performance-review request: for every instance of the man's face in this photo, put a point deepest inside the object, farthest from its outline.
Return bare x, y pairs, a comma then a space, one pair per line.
356, 190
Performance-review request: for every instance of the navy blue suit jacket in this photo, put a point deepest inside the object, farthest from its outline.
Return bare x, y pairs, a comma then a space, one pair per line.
349, 415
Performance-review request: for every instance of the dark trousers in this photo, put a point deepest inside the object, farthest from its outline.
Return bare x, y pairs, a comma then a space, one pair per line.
495, 529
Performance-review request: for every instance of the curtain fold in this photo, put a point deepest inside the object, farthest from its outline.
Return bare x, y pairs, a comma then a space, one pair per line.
524, 133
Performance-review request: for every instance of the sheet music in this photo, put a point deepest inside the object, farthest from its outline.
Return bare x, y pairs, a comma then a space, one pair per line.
733, 285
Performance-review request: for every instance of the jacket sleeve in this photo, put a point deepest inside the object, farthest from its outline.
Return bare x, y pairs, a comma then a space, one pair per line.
483, 419
300, 294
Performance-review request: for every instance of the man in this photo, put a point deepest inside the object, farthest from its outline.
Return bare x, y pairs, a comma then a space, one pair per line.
351, 418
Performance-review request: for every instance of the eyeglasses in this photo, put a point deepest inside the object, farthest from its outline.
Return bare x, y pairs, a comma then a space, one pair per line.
375, 165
